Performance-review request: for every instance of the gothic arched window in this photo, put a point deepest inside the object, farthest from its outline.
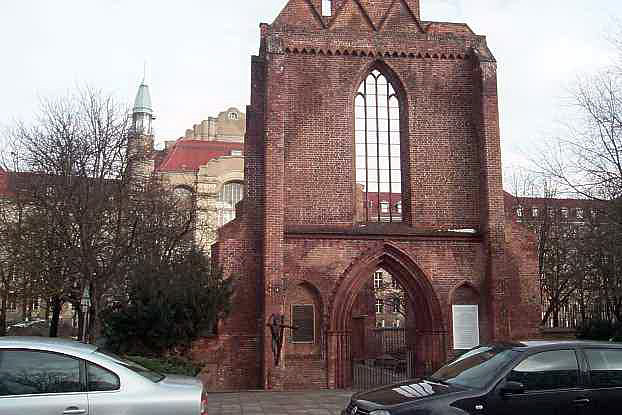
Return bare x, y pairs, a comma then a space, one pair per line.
378, 155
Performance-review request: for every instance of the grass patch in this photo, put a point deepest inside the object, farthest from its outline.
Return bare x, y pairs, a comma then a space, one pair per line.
168, 365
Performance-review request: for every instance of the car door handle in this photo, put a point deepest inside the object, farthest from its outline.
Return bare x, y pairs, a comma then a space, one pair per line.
581, 401
73, 410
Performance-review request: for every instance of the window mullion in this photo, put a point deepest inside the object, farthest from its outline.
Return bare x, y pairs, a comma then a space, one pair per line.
377, 148
389, 151
370, 90
366, 154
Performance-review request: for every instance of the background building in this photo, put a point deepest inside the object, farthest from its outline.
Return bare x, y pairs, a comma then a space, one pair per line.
205, 166
577, 246
390, 300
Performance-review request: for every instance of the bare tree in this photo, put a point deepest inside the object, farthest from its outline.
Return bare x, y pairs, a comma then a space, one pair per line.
602, 255
556, 239
586, 162
6, 272
87, 216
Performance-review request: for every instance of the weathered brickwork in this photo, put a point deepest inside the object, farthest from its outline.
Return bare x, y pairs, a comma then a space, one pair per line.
522, 260
298, 237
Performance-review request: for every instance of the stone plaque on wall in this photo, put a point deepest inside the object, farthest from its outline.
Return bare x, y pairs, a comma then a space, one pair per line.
303, 318
466, 326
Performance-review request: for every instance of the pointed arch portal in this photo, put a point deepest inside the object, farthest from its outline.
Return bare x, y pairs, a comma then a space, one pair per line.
425, 333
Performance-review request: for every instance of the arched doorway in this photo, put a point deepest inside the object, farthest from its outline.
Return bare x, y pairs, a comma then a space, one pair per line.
424, 333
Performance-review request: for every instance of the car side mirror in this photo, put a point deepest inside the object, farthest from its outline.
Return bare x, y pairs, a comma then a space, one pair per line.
512, 388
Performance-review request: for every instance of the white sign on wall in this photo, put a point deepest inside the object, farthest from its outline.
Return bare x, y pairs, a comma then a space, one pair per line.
466, 326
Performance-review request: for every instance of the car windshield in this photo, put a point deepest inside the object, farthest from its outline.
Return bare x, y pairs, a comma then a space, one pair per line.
143, 371
476, 368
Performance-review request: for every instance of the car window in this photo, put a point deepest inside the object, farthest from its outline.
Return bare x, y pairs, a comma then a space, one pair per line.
605, 367
31, 372
100, 379
557, 369
144, 372
476, 368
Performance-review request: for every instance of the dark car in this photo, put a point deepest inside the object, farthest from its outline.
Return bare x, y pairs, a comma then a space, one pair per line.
528, 378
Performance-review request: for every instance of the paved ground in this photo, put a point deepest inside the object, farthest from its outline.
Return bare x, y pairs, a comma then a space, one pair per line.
279, 403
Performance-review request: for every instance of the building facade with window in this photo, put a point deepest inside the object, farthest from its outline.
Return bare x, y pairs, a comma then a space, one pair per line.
567, 230
390, 299
373, 143
205, 166
535, 210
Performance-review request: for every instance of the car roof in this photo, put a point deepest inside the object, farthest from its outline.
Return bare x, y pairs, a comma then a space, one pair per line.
552, 344
46, 343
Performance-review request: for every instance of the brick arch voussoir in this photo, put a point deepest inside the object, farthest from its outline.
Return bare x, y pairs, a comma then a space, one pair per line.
315, 291
463, 283
403, 268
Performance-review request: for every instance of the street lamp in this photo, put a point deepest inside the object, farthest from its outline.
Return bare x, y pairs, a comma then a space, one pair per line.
85, 305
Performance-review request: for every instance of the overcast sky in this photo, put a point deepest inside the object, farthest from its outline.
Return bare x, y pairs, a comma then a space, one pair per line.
198, 54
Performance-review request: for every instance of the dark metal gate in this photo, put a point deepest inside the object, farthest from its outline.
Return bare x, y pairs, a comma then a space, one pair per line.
390, 360
398, 357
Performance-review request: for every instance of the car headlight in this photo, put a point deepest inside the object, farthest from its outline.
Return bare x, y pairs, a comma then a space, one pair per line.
381, 412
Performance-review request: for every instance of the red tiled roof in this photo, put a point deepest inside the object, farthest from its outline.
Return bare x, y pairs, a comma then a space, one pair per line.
189, 155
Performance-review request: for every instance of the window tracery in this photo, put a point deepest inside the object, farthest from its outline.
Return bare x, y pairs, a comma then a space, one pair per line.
230, 195
378, 149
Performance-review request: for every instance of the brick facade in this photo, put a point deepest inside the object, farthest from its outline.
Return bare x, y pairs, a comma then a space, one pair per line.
298, 237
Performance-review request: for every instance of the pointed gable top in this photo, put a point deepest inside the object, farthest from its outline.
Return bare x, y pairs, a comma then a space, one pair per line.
400, 16
376, 10
299, 13
355, 15
351, 16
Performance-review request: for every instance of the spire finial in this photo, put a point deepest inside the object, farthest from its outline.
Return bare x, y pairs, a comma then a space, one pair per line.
142, 103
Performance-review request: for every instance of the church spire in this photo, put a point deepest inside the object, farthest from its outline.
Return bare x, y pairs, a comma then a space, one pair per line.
142, 114
140, 143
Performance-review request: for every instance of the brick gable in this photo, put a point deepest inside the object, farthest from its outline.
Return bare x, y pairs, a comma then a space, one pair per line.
299, 226
299, 13
351, 15
400, 18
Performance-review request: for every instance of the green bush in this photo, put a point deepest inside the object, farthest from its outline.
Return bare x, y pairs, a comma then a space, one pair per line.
168, 365
167, 307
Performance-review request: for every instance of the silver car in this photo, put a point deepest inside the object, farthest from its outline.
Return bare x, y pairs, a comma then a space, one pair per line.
41, 376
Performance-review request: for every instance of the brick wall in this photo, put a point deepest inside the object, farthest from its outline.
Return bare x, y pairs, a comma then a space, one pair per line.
299, 220
438, 143
525, 305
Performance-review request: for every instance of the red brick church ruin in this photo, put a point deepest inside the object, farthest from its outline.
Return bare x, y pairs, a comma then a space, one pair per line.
372, 143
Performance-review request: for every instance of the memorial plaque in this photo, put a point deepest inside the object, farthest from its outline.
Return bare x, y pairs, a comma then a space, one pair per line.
466, 326
303, 318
